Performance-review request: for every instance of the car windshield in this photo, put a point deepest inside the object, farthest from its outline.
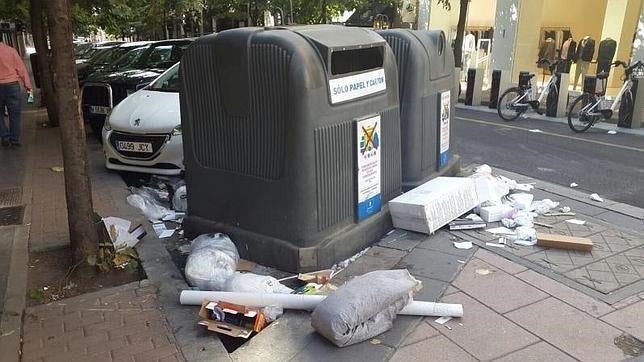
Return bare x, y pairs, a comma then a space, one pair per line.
167, 82
129, 58
109, 56
162, 56
100, 55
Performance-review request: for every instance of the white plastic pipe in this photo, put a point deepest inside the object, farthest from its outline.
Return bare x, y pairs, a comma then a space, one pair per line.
308, 302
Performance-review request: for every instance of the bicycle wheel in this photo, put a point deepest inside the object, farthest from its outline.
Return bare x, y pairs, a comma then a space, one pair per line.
506, 107
626, 111
578, 119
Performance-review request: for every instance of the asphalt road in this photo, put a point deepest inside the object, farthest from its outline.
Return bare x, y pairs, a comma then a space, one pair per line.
610, 165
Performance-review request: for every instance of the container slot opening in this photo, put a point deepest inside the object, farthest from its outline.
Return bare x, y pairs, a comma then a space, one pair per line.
356, 60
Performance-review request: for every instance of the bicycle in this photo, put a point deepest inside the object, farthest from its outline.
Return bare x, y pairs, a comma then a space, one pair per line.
517, 100
591, 105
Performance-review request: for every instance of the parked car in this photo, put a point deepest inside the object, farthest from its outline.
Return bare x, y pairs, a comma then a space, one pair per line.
85, 52
143, 132
105, 58
103, 90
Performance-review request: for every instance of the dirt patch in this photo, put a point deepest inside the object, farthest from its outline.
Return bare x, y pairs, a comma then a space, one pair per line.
630, 345
51, 277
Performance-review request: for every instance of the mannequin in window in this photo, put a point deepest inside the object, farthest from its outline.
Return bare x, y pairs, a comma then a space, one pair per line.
547, 51
566, 54
583, 56
469, 48
605, 55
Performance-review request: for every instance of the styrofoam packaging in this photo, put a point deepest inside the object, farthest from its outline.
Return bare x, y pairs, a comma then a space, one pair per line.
433, 204
495, 213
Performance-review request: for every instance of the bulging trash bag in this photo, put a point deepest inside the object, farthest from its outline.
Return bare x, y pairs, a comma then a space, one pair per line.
364, 307
180, 199
212, 262
254, 283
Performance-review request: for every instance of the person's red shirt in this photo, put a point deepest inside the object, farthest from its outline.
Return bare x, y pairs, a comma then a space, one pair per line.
12, 69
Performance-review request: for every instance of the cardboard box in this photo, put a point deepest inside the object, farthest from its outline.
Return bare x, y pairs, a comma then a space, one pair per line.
433, 204
238, 321
564, 242
495, 213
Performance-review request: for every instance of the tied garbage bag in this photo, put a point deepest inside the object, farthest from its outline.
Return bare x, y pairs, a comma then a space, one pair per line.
526, 236
543, 206
180, 199
253, 283
212, 262
364, 307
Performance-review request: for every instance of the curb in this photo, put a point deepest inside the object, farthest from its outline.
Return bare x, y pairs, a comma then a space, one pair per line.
600, 125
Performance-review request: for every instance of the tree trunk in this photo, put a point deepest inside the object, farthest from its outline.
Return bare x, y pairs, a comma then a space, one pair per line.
460, 30
82, 232
43, 61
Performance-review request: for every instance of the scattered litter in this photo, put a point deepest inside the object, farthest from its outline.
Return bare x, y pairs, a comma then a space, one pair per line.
272, 312
433, 204
496, 213
45, 288
543, 224
573, 185
245, 265
148, 206
502, 241
482, 271
521, 218
174, 216
565, 209
180, 199
495, 245
596, 197
443, 320
525, 236
520, 201
161, 230
461, 261
559, 214
212, 261
448, 327
564, 242
612, 131
500, 230
463, 245
543, 206
469, 222
231, 319
345, 263
489, 189
375, 341
119, 231
576, 221
535, 130
184, 249
57, 168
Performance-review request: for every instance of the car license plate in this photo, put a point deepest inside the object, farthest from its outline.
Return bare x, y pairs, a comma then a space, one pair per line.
143, 147
99, 109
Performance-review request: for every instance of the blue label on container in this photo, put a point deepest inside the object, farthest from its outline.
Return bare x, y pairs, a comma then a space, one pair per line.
369, 207
443, 159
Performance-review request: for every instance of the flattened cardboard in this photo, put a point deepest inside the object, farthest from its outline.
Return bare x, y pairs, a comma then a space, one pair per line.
564, 242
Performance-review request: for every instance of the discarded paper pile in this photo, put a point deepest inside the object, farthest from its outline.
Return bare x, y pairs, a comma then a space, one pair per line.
240, 304
492, 198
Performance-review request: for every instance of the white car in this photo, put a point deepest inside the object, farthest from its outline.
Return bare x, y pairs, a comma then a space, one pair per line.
143, 132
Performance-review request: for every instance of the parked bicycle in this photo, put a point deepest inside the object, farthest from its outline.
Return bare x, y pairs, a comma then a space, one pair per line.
590, 107
517, 100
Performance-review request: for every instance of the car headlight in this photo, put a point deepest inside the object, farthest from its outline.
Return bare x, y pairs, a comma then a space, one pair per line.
107, 125
176, 131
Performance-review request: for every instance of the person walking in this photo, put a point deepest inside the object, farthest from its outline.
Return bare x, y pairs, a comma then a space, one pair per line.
12, 73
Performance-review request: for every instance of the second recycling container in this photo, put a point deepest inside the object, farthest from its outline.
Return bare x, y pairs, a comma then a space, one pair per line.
291, 141
428, 94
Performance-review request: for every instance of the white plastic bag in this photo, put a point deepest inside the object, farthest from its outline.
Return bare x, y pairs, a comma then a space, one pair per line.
148, 206
254, 283
520, 201
543, 206
526, 236
272, 312
212, 262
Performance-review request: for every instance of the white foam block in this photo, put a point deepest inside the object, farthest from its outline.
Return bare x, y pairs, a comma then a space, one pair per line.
433, 204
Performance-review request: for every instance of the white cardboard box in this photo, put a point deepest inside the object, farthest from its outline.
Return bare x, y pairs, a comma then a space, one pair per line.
433, 204
495, 213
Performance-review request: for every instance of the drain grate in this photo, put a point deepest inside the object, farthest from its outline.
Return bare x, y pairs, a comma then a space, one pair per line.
11, 197
11, 215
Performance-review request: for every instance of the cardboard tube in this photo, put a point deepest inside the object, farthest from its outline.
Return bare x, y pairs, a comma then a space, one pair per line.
308, 302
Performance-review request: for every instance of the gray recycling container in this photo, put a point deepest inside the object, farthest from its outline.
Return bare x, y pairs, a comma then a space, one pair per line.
428, 94
291, 141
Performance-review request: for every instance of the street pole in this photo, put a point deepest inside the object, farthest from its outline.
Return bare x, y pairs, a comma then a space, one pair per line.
83, 235
424, 9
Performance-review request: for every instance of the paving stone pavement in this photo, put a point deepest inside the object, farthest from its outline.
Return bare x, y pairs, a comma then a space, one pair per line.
123, 323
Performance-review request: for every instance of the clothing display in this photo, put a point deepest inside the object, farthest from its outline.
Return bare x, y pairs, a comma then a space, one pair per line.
582, 69
585, 49
568, 49
607, 48
547, 50
469, 47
